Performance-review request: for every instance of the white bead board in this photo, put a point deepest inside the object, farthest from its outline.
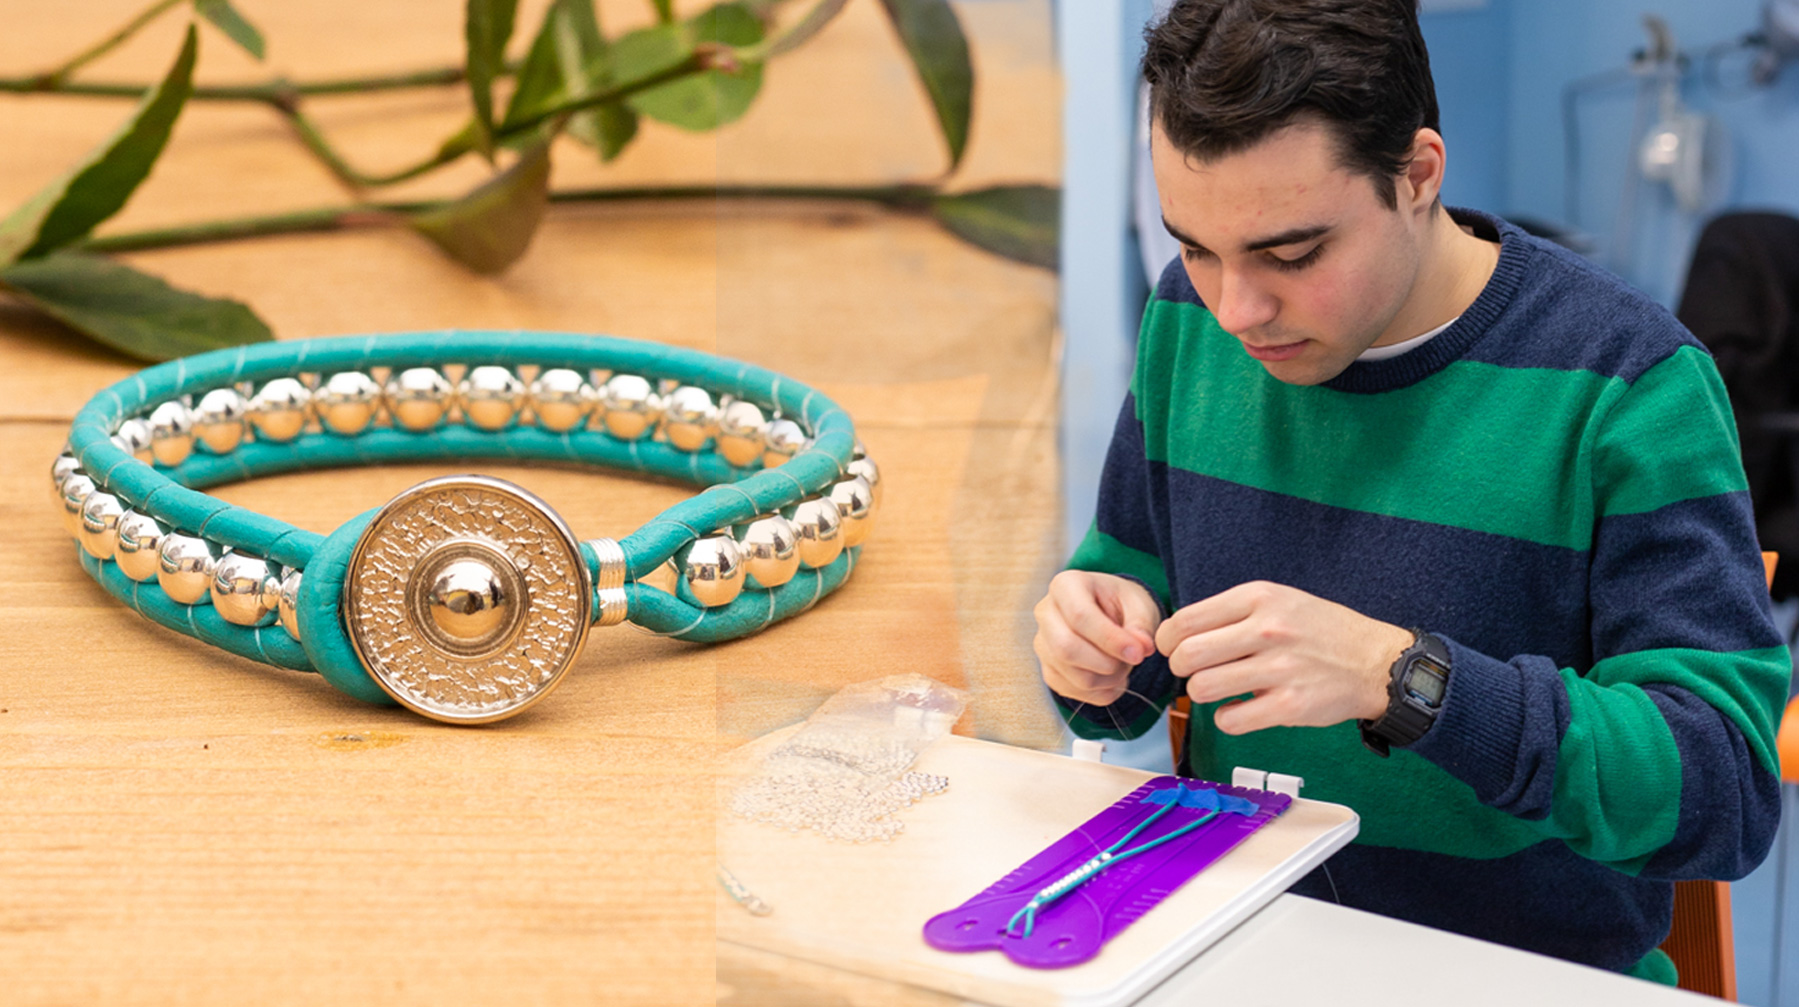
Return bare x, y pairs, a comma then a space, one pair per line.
861, 907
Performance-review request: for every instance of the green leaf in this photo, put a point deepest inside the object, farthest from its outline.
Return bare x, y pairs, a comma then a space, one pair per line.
1020, 222
939, 50
226, 18
701, 101
814, 22
132, 312
487, 28
567, 62
587, 69
665, 10
490, 228
539, 83
68, 208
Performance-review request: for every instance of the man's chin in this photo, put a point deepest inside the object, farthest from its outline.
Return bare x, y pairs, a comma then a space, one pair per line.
1305, 369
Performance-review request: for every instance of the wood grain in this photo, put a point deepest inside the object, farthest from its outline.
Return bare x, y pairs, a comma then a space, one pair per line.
178, 826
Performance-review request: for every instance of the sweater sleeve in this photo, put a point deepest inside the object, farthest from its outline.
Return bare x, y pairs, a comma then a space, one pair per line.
1657, 759
1123, 541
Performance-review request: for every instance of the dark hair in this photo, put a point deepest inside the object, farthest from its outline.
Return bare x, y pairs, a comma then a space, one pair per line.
1224, 74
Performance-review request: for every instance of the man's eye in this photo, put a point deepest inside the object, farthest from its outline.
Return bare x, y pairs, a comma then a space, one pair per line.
1193, 253
1291, 265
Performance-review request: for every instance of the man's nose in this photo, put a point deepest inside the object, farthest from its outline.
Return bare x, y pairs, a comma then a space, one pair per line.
1242, 305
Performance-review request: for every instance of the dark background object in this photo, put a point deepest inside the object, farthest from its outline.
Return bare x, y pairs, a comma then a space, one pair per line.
1742, 301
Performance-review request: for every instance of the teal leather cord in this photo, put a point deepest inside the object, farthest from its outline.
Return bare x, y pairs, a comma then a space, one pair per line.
173, 495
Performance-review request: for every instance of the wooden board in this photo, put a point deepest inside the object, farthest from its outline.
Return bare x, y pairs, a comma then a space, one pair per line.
183, 827
860, 907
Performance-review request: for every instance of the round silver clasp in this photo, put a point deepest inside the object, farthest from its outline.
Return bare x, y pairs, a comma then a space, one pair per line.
467, 599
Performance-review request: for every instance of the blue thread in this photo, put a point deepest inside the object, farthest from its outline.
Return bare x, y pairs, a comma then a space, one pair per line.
1170, 798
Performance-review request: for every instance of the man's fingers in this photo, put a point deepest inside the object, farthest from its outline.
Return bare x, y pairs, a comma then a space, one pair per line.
1068, 649
1081, 611
1084, 686
1212, 648
1141, 614
1209, 685
1221, 609
1248, 715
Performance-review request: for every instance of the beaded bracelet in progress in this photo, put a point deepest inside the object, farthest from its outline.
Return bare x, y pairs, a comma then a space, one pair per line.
465, 598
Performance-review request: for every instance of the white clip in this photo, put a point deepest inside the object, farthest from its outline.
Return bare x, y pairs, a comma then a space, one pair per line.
1088, 751
1281, 783
1253, 779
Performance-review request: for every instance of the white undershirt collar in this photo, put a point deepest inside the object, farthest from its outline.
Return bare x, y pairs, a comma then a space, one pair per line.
1392, 350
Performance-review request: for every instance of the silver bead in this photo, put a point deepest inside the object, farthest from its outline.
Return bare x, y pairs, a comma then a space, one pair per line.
76, 488
244, 589
689, 418
280, 410
785, 439
561, 399
184, 568
770, 549
133, 438
418, 398
855, 501
140, 542
288, 606
631, 406
100, 515
714, 570
63, 467
741, 429
491, 396
819, 528
347, 401
171, 433
870, 473
219, 420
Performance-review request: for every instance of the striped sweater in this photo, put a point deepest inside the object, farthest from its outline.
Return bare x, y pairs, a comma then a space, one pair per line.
1553, 486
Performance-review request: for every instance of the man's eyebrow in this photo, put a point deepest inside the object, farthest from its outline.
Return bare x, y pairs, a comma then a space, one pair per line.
1294, 236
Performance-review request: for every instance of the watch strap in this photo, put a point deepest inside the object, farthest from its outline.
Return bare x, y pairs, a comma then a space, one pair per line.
1405, 720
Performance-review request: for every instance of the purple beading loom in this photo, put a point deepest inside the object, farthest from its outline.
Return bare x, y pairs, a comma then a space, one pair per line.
1073, 928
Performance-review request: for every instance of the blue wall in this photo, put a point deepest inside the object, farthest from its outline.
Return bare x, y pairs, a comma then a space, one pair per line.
1552, 42
1469, 61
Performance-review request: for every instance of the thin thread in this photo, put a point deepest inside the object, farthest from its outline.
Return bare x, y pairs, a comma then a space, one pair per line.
755, 508
1107, 857
670, 520
690, 627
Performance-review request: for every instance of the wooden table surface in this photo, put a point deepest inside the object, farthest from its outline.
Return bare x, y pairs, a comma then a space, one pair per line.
181, 826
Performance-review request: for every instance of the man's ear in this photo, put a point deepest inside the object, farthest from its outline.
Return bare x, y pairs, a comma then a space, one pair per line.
1422, 182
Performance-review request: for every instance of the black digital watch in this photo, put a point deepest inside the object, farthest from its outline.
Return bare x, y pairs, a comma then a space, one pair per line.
1415, 689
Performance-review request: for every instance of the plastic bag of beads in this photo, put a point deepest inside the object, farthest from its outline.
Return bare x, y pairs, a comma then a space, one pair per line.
845, 773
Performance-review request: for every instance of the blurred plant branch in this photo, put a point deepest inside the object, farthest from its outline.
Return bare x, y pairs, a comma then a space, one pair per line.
696, 74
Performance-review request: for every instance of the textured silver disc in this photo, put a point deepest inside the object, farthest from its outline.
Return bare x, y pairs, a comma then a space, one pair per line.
467, 599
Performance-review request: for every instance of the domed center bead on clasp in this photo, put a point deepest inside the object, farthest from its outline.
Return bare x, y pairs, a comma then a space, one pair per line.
467, 599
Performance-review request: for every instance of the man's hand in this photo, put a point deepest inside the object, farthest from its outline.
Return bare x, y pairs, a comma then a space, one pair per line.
1092, 629
1308, 662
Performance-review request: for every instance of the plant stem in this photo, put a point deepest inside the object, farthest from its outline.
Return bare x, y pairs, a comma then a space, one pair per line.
451, 152
107, 44
267, 93
902, 197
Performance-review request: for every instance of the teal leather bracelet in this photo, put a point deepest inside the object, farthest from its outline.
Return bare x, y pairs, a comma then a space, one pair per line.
465, 598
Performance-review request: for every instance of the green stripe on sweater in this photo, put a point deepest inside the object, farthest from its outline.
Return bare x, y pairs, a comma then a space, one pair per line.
1102, 553
1671, 439
1617, 775
1749, 687
1488, 464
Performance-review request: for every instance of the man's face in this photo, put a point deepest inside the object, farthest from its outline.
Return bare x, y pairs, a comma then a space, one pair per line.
1294, 254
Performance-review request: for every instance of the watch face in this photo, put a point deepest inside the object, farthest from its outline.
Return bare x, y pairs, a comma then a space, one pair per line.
1427, 681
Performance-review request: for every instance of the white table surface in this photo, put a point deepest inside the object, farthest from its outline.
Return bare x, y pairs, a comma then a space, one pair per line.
1300, 951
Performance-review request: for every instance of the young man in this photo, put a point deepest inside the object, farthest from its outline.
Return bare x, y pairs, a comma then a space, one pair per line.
1397, 477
